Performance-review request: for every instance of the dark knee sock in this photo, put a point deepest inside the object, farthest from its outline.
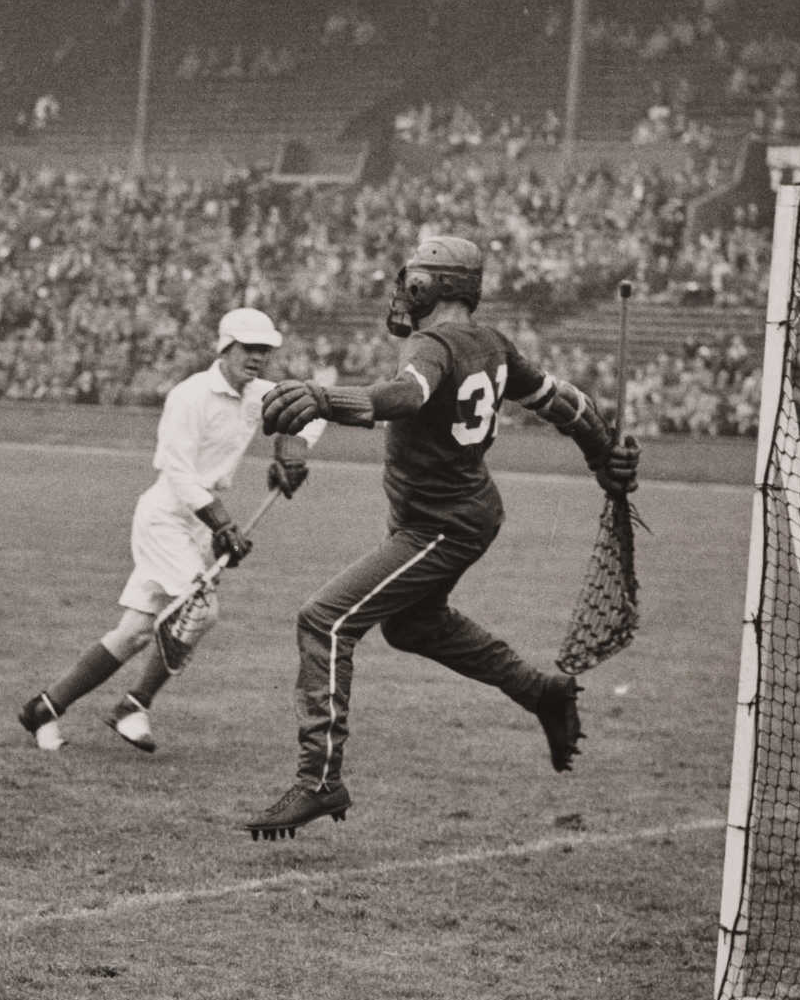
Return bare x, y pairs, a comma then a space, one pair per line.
95, 666
153, 678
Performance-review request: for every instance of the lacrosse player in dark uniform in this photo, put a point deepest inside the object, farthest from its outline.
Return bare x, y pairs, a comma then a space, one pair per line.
442, 412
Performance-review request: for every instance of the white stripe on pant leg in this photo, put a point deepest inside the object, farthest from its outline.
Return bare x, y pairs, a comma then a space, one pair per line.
334, 632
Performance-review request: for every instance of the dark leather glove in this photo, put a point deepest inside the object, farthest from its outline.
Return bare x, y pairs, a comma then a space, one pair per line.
226, 536
291, 404
617, 474
288, 470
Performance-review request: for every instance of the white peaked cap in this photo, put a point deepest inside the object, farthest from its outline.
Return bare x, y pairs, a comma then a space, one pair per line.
247, 326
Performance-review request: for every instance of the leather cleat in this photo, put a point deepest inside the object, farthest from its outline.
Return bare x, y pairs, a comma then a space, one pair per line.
40, 717
130, 720
298, 806
557, 711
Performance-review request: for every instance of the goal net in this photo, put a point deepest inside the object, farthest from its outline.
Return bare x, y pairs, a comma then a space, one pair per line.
758, 955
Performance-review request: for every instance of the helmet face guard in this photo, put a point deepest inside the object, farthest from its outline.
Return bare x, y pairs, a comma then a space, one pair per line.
399, 321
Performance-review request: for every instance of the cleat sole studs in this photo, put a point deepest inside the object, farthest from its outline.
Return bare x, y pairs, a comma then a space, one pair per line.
277, 832
280, 823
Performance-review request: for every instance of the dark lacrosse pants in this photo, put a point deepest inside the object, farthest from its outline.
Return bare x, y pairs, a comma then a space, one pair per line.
403, 585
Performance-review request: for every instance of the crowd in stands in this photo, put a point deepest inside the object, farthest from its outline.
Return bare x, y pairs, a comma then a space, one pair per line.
342, 29
110, 289
760, 68
453, 128
679, 32
702, 389
263, 62
760, 73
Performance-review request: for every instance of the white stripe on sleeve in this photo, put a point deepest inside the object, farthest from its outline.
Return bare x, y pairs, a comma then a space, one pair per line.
423, 382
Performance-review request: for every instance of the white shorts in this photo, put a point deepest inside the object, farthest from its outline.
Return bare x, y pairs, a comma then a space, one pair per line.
169, 551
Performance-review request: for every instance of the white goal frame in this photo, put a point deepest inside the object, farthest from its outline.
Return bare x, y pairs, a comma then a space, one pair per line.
733, 921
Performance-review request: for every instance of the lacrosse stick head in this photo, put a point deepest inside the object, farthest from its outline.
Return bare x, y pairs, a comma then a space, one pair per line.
606, 614
178, 630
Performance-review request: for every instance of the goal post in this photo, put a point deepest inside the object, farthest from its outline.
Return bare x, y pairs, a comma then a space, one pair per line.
758, 951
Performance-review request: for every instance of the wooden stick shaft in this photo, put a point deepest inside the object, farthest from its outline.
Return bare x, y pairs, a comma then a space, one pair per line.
220, 563
263, 507
622, 357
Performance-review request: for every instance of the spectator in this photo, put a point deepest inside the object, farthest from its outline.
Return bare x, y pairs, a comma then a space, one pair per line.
86, 390
358, 357
46, 110
22, 125
235, 68
551, 128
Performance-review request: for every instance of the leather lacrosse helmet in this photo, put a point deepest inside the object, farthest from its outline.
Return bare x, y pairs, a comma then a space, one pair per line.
442, 268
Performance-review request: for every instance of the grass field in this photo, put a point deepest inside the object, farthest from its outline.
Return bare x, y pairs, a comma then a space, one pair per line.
467, 868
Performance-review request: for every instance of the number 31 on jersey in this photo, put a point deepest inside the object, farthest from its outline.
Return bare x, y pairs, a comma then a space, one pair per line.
481, 399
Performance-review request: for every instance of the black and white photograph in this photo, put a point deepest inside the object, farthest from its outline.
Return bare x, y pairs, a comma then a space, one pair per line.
400, 500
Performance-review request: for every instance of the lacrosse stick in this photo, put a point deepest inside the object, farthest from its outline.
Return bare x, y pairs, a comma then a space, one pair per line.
606, 614
177, 626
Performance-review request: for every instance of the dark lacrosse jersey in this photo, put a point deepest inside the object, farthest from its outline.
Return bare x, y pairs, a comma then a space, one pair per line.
435, 473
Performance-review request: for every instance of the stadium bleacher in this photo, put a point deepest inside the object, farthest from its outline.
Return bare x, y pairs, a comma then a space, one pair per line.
350, 71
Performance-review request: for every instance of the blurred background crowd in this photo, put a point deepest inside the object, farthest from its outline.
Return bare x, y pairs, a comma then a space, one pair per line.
112, 280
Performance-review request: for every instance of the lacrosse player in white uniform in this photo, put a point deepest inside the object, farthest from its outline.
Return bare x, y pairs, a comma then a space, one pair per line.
181, 525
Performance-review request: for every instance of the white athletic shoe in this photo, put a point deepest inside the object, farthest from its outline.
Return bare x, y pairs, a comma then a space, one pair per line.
40, 718
48, 736
131, 720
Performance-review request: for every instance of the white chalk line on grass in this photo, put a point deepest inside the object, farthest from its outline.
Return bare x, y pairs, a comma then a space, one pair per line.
123, 905
374, 467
